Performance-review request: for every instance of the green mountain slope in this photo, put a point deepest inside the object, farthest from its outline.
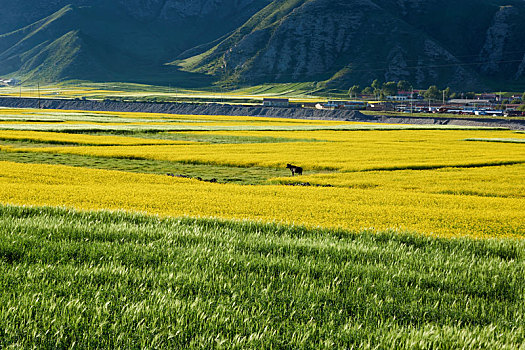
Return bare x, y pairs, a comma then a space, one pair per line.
47, 49
116, 40
472, 44
55, 48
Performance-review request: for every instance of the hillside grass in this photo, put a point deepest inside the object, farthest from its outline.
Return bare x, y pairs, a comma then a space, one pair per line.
142, 92
116, 280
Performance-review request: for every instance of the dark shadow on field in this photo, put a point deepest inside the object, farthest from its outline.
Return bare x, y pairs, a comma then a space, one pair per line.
222, 174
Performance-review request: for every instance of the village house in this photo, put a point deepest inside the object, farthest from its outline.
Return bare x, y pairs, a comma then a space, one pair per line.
276, 102
470, 102
489, 97
398, 98
404, 96
381, 107
345, 104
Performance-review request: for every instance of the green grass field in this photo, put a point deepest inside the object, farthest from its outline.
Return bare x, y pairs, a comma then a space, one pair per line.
113, 280
143, 92
223, 174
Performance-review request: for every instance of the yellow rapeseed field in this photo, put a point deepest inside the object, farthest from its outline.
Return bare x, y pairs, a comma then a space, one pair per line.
160, 117
434, 182
392, 136
496, 181
53, 137
361, 150
354, 209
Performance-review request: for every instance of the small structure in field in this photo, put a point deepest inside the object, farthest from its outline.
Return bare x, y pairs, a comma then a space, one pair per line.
276, 102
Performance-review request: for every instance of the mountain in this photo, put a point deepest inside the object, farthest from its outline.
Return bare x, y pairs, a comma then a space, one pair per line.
471, 44
468, 45
111, 40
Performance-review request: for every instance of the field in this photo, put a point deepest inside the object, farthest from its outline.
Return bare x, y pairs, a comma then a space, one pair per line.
160, 231
297, 92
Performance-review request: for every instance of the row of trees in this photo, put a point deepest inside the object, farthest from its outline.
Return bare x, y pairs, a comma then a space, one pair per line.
391, 88
381, 90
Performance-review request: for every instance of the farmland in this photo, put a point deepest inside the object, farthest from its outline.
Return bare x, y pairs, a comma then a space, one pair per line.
396, 236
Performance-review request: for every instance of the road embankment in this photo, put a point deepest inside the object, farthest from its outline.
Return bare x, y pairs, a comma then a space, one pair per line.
255, 111
177, 108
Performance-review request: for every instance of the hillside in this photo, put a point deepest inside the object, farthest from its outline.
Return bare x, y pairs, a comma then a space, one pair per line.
119, 41
471, 45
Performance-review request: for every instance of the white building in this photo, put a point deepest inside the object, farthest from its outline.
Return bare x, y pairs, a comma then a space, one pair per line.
10, 82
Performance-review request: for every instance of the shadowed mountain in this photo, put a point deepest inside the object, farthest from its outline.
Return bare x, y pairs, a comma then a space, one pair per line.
121, 41
472, 44
468, 46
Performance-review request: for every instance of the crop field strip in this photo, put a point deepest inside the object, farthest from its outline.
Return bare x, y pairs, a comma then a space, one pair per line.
223, 174
166, 127
150, 117
384, 150
109, 280
260, 175
440, 214
515, 140
89, 140
14, 137
504, 181
127, 122
484, 180
435, 133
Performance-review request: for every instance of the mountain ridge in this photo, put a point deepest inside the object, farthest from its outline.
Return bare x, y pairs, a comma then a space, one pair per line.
404, 50
473, 44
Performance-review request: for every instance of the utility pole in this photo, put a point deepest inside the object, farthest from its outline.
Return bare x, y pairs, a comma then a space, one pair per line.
412, 102
38, 86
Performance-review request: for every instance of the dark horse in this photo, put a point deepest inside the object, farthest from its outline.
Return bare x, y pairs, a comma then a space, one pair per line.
295, 169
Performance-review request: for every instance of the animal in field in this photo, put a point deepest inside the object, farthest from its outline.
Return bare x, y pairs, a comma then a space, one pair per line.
295, 169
